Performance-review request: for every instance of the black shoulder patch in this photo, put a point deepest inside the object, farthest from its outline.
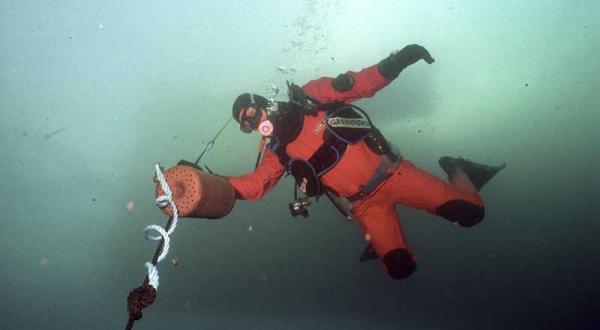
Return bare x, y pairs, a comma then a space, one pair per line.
343, 83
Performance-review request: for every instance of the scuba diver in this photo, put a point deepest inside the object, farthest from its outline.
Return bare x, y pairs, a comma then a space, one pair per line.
332, 148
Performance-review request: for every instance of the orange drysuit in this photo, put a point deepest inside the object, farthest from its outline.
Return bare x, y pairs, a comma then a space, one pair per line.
376, 213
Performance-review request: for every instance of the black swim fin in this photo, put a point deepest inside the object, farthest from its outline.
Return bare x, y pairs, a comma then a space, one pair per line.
478, 173
368, 254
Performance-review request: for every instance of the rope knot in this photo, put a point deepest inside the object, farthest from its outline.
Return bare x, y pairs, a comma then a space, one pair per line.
140, 298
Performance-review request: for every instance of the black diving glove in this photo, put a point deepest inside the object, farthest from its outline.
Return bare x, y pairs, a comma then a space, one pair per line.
391, 66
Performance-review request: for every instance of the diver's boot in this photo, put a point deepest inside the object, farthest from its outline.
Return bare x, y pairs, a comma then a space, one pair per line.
368, 254
479, 174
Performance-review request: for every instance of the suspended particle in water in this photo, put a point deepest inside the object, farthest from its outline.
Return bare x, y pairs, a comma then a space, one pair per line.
175, 262
250, 228
101, 26
43, 262
367, 237
130, 206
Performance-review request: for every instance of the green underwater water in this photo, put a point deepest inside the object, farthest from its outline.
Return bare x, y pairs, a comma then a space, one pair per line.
93, 94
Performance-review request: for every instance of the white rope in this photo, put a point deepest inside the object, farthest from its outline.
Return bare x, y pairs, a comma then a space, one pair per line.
162, 202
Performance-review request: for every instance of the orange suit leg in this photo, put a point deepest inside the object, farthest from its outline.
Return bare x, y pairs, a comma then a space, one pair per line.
410, 186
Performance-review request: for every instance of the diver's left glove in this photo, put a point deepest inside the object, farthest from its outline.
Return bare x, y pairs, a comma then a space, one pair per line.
392, 65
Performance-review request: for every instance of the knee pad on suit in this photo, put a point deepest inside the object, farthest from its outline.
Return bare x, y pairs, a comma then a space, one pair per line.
400, 263
462, 212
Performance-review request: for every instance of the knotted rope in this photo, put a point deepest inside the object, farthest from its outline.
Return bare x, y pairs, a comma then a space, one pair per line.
143, 296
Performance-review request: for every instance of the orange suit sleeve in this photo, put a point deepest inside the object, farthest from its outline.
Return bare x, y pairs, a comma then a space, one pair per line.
254, 185
366, 83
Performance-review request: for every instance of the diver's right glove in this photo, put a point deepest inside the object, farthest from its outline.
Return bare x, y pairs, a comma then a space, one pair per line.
392, 65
